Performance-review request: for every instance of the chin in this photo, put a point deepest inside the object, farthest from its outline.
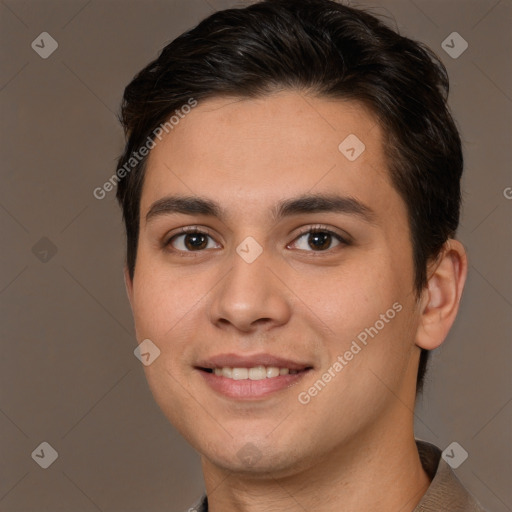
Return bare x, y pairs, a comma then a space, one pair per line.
251, 461
258, 456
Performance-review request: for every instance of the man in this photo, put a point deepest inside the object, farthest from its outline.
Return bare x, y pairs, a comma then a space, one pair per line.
291, 191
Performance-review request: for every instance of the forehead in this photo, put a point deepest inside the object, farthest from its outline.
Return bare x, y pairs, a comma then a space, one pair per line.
248, 153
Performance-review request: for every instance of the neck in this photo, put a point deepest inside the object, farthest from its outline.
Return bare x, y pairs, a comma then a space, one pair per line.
381, 473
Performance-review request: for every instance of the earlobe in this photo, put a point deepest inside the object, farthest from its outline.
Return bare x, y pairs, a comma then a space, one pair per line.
441, 297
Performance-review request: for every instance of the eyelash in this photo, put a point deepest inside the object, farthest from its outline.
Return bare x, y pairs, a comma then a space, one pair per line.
203, 231
322, 229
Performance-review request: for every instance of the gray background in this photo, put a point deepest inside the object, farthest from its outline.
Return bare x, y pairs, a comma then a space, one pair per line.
68, 375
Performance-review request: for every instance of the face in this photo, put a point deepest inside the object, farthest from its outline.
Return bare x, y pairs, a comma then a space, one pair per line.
275, 275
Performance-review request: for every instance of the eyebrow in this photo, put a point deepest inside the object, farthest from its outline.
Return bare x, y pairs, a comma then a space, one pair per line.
306, 204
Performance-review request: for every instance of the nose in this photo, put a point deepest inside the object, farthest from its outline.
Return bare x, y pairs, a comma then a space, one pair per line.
250, 297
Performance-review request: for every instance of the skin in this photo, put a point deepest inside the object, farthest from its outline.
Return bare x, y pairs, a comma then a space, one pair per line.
293, 301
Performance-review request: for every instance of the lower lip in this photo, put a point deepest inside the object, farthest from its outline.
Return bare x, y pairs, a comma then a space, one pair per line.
250, 389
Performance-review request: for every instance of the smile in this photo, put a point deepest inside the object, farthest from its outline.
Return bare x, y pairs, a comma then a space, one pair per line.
254, 373
250, 377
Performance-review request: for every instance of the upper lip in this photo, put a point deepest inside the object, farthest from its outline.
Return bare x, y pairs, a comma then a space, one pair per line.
250, 361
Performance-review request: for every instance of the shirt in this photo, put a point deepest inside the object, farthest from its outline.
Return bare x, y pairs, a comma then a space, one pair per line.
445, 493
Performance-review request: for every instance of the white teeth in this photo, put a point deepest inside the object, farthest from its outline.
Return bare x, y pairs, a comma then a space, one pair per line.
272, 371
254, 373
240, 373
257, 373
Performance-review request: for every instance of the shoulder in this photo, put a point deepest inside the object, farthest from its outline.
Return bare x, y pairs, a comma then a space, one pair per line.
446, 493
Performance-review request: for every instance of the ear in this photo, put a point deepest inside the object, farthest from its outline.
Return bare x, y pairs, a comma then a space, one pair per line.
440, 299
128, 283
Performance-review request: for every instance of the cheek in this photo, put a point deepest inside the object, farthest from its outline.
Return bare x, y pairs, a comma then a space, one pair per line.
366, 312
163, 297
350, 299
165, 311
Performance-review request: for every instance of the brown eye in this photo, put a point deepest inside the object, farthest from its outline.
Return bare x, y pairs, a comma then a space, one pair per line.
195, 241
192, 241
318, 240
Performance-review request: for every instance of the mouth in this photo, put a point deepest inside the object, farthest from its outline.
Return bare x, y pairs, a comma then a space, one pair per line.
251, 377
253, 373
